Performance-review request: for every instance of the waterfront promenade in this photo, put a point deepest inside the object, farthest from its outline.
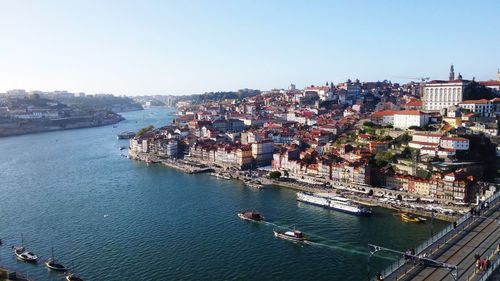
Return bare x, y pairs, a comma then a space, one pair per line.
353, 191
451, 255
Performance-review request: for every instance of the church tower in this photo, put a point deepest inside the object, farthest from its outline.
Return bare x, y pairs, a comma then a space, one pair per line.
498, 75
452, 73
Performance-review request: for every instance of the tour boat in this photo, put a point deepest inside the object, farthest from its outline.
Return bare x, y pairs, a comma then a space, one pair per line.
333, 202
24, 255
292, 235
407, 217
53, 265
250, 216
72, 277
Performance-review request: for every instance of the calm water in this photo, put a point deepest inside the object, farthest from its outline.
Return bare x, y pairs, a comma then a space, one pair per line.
114, 219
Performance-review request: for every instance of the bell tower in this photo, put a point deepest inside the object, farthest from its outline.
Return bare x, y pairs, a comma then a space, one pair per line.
452, 73
498, 75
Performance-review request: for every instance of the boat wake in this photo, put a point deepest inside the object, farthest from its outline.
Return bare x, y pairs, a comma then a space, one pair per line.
319, 241
347, 249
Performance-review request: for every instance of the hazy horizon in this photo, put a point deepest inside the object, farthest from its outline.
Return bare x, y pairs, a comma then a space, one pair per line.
175, 48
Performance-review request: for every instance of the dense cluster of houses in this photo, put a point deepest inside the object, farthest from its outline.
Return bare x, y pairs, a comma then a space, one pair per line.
318, 134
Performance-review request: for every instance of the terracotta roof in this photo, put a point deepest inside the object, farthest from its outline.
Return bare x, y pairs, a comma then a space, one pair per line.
446, 81
490, 83
415, 103
454, 139
427, 135
409, 112
481, 101
383, 113
428, 144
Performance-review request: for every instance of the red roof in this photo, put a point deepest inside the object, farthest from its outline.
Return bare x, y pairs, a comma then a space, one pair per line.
454, 139
490, 83
415, 103
481, 101
427, 135
430, 144
383, 113
446, 81
409, 112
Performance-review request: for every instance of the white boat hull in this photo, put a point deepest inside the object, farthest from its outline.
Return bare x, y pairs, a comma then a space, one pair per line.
345, 205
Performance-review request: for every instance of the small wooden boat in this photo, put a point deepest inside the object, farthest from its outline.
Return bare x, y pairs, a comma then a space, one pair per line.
408, 217
250, 216
292, 235
52, 264
22, 254
72, 277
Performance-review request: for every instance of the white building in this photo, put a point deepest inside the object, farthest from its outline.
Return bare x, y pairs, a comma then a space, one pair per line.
483, 107
443, 94
430, 138
384, 117
454, 143
407, 118
323, 92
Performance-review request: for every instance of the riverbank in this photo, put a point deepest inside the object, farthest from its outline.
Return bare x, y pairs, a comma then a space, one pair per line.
8, 275
21, 128
357, 195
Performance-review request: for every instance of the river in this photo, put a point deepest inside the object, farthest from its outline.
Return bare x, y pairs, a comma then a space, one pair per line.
110, 218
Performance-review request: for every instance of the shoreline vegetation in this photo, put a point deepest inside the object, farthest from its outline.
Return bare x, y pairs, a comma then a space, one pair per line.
190, 167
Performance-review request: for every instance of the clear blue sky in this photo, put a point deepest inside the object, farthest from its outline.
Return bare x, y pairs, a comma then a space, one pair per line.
180, 47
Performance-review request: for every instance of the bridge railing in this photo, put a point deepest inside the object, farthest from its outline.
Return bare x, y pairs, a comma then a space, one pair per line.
425, 245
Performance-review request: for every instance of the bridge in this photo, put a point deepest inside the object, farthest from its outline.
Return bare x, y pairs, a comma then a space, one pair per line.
450, 255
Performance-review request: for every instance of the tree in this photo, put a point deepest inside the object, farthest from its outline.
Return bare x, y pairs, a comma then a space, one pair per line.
476, 91
144, 130
275, 175
421, 173
368, 124
382, 158
406, 153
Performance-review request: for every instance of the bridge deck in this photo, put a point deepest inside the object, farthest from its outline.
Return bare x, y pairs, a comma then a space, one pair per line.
479, 235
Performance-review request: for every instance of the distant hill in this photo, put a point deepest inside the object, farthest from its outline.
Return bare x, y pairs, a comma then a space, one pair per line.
218, 96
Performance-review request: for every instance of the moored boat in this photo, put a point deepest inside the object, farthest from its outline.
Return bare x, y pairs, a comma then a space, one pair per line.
408, 217
73, 277
334, 202
292, 235
23, 255
250, 216
52, 264
254, 184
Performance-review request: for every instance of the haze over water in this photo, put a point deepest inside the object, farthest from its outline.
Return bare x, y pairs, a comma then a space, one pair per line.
110, 218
